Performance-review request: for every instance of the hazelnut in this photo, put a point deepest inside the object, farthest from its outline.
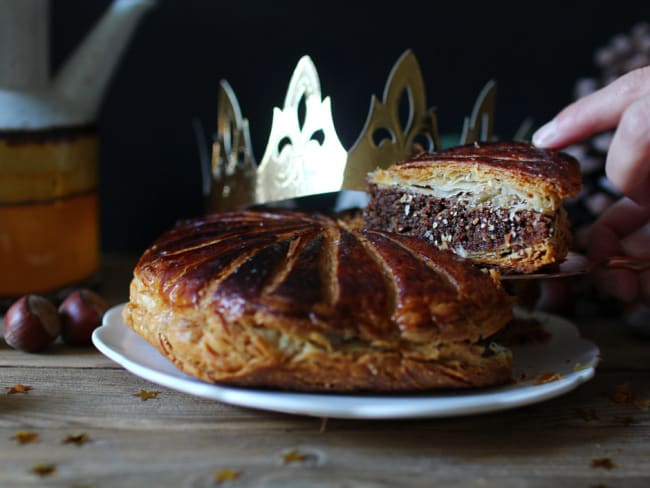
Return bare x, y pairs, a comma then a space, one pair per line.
31, 324
81, 313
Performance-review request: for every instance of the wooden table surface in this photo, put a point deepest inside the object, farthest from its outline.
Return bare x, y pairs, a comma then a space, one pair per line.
93, 429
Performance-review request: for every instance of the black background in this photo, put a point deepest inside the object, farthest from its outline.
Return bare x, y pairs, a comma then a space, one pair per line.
150, 169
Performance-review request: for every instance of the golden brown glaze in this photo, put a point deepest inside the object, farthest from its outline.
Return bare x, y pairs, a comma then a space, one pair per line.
310, 268
497, 204
517, 157
270, 298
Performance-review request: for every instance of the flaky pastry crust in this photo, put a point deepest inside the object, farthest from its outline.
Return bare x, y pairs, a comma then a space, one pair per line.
300, 301
516, 164
497, 204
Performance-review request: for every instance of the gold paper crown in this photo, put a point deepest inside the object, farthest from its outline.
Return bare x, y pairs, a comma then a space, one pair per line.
307, 158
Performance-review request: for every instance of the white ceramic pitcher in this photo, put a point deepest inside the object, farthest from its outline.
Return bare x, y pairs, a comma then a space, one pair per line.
49, 186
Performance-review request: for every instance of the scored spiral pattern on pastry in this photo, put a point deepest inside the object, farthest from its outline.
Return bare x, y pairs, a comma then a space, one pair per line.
304, 301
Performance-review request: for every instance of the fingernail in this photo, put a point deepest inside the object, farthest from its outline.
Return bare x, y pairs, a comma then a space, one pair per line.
545, 135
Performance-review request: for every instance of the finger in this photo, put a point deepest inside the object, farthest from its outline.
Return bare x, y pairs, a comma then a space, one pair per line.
623, 230
603, 242
628, 159
594, 113
637, 244
622, 218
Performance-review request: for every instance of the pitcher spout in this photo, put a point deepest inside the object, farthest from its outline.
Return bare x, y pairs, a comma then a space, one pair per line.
84, 78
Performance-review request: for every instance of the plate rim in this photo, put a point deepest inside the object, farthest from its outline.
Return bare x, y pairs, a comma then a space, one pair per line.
368, 406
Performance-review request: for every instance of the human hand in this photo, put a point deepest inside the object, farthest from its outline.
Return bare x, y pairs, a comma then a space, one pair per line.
624, 229
625, 105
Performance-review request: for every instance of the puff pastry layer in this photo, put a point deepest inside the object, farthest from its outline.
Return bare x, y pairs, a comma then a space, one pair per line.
496, 204
302, 301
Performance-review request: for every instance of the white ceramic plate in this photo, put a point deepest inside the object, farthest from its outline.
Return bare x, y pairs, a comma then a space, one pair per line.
567, 353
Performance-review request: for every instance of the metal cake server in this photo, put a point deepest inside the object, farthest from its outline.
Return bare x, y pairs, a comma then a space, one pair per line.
577, 264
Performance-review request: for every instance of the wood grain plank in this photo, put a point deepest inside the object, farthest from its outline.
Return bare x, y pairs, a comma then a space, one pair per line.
57, 355
75, 398
179, 440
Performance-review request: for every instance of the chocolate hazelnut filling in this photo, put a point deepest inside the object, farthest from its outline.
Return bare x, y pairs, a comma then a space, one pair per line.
453, 224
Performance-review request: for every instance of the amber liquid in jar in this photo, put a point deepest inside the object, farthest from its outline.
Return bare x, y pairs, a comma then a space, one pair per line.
49, 210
